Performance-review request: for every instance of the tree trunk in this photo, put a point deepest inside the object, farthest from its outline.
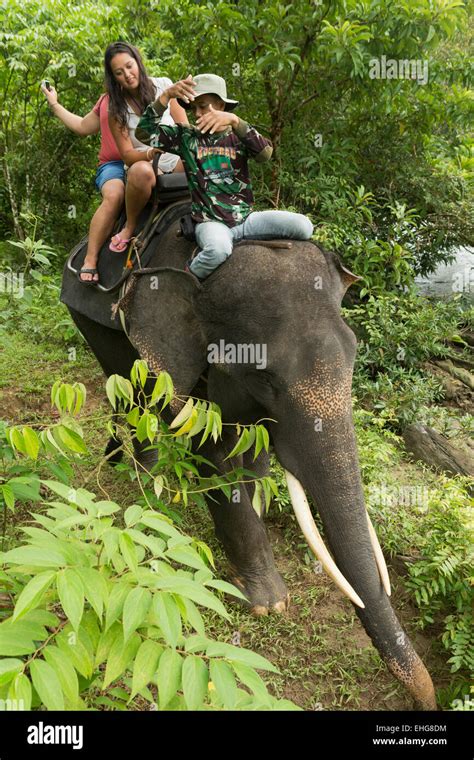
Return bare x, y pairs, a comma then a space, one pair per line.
436, 450
13, 202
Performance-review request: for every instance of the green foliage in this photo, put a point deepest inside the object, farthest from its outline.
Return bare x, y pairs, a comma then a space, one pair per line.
34, 251
432, 527
64, 43
397, 394
96, 606
441, 576
105, 602
173, 442
302, 74
441, 580
30, 305
20, 478
396, 334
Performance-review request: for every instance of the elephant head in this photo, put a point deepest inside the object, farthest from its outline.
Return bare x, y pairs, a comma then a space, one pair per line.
295, 367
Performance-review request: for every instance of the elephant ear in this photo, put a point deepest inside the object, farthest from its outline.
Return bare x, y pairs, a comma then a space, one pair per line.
163, 324
343, 277
347, 277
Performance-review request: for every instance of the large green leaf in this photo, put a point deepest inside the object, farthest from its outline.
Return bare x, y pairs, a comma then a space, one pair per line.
167, 617
71, 439
105, 643
250, 678
34, 556
155, 544
223, 679
121, 654
186, 555
119, 593
21, 692
145, 666
8, 495
160, 524
239, 654
168, 677
9, 667
95, 588
74, 645
128, 550
228, 588
195, 681
25, 487
132, 515
31, 440
135, 610
65, 672
46, 683
194, 591
33, 593
14, 641
71, 595
193, 616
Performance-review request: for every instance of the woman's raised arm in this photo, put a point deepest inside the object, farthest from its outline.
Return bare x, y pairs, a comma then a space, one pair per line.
81, 125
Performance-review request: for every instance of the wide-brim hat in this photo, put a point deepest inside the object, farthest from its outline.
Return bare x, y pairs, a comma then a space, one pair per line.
210, 84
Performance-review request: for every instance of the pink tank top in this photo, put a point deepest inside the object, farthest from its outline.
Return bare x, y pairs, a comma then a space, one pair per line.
108, 148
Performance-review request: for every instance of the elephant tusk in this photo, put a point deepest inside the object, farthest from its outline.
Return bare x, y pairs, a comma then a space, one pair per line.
313, 537
379, 558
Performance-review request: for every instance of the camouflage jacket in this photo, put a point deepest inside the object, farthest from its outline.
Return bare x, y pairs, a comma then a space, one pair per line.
216, 165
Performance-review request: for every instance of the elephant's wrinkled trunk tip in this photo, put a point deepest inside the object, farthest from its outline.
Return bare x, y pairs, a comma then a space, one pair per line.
418, 682
313, 537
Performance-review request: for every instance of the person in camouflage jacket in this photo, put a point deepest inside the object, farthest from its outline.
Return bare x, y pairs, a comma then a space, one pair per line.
215, 155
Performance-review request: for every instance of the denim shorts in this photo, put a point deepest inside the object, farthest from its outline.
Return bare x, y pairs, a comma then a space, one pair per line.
109, 170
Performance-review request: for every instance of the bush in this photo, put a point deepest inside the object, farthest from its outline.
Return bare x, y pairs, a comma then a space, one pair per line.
432, 527
103, 607
104, 614
396, 334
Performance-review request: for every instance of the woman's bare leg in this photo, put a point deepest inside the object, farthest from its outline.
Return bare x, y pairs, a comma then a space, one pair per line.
141, 180
102, 223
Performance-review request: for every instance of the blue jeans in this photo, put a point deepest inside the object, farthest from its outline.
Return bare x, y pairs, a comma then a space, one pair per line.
216, 240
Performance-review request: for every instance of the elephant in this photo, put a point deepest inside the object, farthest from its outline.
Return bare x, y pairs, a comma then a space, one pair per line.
287, 303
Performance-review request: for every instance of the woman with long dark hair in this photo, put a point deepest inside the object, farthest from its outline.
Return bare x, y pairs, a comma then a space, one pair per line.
109, 178
130, 91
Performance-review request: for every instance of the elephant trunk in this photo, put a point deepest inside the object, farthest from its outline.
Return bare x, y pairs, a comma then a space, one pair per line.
332, 478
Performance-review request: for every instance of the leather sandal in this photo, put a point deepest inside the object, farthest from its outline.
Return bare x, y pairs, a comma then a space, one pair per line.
87, 270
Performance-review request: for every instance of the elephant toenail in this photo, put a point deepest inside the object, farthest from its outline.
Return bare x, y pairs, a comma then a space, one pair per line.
259, 610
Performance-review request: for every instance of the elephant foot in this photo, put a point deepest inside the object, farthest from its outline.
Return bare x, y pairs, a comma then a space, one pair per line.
266, 591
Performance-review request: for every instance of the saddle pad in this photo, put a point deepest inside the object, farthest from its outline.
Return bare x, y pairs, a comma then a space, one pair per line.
111, 265
96, 302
